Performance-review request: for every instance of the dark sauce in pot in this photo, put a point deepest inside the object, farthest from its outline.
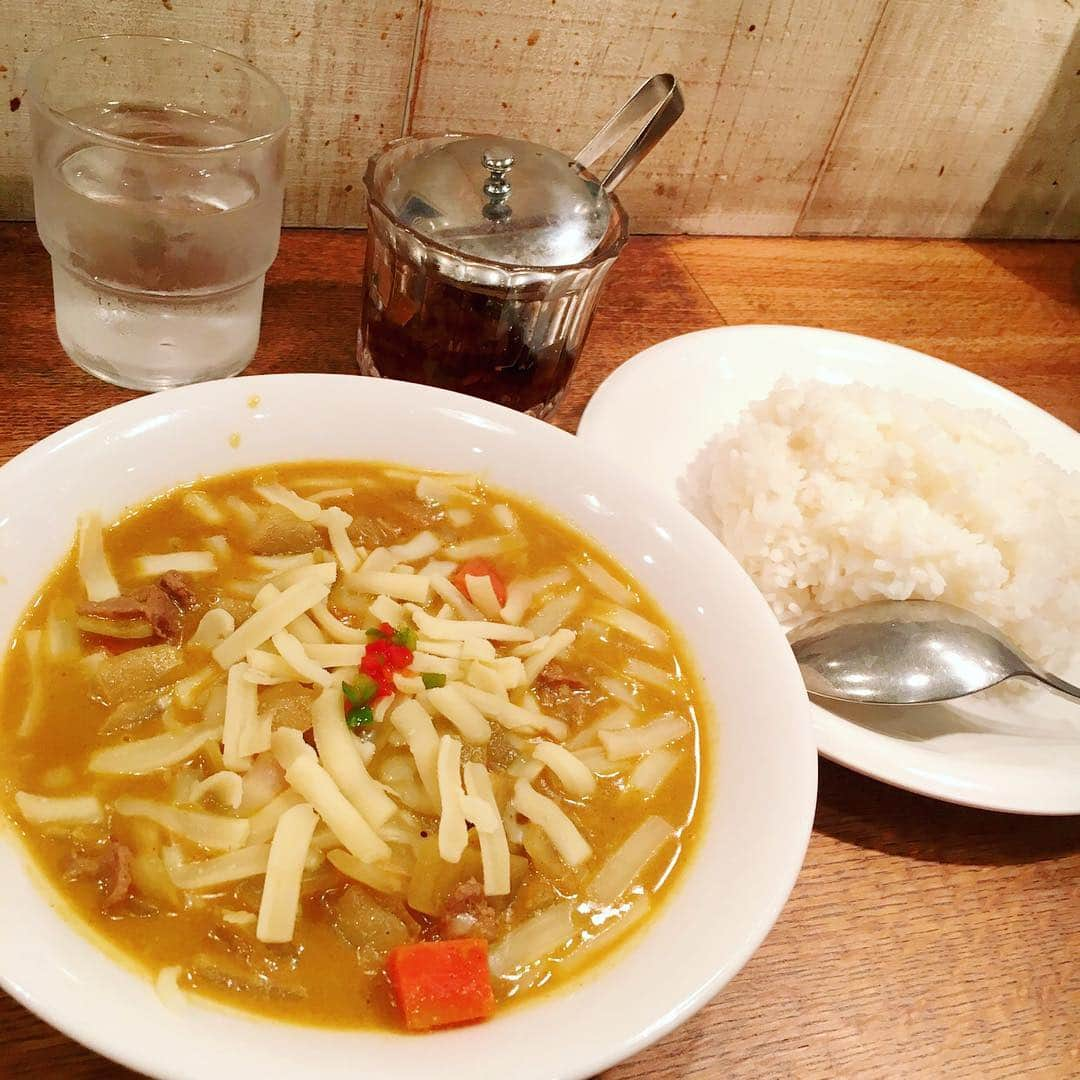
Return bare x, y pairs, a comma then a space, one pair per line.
516, 347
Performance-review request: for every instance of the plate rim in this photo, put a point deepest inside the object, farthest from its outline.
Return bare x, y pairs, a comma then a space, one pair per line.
619, 373
917, 776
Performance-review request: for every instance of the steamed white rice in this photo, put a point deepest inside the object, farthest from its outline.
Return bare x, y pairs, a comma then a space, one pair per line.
832, 496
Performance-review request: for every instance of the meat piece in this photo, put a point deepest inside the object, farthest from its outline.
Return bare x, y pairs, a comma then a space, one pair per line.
160, 604
468, 914
554, 677
175, 585
563, 695
117, 875
125, 606
111, 867
162, 613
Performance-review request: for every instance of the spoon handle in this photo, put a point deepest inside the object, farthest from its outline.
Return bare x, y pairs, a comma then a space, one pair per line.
1059, 685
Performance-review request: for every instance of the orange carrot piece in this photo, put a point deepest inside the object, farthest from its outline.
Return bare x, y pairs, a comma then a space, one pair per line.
436, 983
480, 568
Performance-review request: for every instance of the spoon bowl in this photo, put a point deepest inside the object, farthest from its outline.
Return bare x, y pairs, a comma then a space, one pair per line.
908, 652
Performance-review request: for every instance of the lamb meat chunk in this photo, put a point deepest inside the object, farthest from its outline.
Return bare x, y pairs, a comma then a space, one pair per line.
176, 587
562, 694
111, 867
468, 914
118, 875
125, 606
554, 677
162, 613
160, 605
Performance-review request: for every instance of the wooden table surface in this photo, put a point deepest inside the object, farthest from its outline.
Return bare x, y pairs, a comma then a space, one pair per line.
922, 939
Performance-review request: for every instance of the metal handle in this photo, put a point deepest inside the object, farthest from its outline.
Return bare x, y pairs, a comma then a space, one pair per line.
1062, 687
656, 104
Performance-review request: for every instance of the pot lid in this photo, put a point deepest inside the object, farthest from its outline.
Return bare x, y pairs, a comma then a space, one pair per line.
507, 201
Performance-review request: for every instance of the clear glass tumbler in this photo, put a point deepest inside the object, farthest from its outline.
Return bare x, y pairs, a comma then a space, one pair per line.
158, 182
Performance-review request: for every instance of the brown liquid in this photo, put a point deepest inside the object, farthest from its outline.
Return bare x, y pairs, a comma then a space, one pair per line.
517, 348
316, 978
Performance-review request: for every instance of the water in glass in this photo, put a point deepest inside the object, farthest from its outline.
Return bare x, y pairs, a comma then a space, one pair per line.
158, 182
158, 258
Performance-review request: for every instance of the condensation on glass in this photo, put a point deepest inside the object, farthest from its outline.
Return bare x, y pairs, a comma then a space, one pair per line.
158, 181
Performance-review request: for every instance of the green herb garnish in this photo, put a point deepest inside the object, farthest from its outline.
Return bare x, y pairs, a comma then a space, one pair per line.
359, 716
432, 680
405, 636
362, 691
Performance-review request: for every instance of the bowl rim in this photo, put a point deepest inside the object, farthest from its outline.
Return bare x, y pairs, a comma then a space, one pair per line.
800, 753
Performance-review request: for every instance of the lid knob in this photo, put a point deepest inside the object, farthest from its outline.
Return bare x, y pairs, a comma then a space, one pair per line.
498, 161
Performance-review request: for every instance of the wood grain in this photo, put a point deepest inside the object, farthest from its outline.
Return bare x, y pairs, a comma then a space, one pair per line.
1008, 312
951, 98
921, 939
744, 155
894, 117
343, 66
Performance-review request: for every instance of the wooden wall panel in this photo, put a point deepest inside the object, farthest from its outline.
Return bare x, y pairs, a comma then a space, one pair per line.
344, 65
764, 84
1038, 191
950, 106
806, 117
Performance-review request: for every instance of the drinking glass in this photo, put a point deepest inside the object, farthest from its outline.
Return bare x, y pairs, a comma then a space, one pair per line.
158, 179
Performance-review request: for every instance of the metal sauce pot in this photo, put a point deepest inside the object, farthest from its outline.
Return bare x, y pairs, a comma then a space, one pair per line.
485, 256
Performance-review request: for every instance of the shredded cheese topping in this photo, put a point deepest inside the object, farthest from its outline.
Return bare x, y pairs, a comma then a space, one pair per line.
284, 870
94, 568
453, 833
474, 680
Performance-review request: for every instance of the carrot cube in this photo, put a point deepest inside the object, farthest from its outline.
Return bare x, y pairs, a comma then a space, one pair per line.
436, 983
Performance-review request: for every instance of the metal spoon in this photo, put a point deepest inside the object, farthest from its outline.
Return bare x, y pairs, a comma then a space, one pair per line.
908, 652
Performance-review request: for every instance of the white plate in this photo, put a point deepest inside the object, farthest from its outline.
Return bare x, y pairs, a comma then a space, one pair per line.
656, 412
761, 782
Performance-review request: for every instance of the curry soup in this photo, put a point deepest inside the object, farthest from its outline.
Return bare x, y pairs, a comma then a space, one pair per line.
350, 744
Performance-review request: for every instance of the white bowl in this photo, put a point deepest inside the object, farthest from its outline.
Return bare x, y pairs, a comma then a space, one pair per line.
760, 788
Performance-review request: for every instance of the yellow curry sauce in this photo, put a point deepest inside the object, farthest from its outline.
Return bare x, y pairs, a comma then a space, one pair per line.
331, 972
